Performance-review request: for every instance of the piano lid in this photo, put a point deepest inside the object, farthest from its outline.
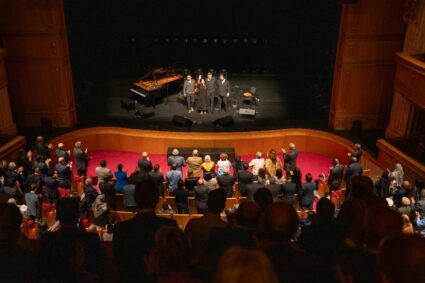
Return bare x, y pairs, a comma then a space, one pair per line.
157, 79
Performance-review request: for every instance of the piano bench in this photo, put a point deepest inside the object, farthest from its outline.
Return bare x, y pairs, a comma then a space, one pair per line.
128, 104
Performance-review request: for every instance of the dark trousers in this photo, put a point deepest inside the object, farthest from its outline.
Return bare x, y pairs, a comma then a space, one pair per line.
190, 98
182, 208
211, 101
202, 210
222, 99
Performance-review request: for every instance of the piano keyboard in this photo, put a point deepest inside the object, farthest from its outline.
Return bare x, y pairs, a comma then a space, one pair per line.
138, 92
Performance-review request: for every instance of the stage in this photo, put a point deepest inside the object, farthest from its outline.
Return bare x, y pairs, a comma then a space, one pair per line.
284, 103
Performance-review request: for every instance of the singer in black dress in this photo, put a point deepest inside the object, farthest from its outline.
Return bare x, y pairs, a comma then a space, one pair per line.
202, 97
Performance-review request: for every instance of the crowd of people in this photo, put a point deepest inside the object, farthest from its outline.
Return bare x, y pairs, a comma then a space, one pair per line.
374, 236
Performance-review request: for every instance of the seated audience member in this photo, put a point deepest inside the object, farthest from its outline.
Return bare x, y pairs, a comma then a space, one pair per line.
239, 265
420, 204
128, 195
11, 190
274, 188
257, 163
272, 163
401, 259
208, 166
102, 171
353, 169
71, 254
263, 198
177, 159
108, 189
173, 177
226, 182
181, 197
197, 229
194, 162
420, 224
405, 206
144, 163
51, 184
17, 264
191, 181
397, 174
400, 192
288, 190
407, 225
64, 173
121, 178
210, 181
244, 177
168, 260
280, 179
166, 209
307, 193
157, 176
324, 228
90, 194
134, 238
223, 164
201, 197
100, 211
251, 188
280, 225
33, 203
336, 174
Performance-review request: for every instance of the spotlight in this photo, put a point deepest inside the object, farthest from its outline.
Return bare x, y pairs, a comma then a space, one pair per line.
224, 41
204, 41
215, 40
245, 40
186, 40
235, 40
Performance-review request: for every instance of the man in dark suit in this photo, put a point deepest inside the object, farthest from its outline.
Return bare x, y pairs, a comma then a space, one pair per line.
400, 192
10, 189
51, 184
357, 152
336, 174
226, 182
61, 152
290, 158
43, 149
134, 238
145, 164
81, 159
289, 189
176, 159
35, 179
157, 176
201, 196
252, 187
244, 177
64, 173
420, 204
307, 192
353, 169
33, 203
223, 91
274, 189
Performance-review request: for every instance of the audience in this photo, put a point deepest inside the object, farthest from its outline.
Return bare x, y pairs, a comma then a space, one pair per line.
288, 190
144, 163
194, 163
306, 194
223, 164
121, 178
173, 177
251, 188
257, 163
176, 159
102, 171
201, 197
157, 176
272, 163
226, 182
181, 197
208, 165
244, 177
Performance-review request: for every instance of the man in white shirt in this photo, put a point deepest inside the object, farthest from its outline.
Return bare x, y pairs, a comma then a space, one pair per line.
257, 163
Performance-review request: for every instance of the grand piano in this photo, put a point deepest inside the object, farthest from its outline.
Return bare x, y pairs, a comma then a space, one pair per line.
155, 84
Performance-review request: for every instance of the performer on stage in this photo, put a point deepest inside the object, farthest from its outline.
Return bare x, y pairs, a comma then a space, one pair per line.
202, 97
211, 83
223, 91
189, 92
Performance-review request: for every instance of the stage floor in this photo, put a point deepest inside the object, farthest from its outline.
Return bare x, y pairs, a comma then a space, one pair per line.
283, 104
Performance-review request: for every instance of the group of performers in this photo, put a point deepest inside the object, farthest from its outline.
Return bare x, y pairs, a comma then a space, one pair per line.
204, 90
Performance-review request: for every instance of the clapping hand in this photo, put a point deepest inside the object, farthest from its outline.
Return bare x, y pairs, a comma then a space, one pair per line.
283, 150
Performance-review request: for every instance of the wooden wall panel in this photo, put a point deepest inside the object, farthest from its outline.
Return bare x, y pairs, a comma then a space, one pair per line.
38, 64
7, 124
371, 32
400, 117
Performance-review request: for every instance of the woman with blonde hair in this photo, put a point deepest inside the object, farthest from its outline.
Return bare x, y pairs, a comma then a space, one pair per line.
240, 265
407, 225
208, 165
398, 173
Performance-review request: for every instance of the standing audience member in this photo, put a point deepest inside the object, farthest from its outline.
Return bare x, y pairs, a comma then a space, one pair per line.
173, 177
397, 174
223, 163
257, 163
420, 204
210, 181
194, 162
208, 166
272, 163
244, 177
290, 158
383, 185
201, 197
61, 152
181, 197
51, 184
108, 189
43, 149
81, 159
336, 175
90, 194
157, 176
100, 211
400, 192
145, 164
177, 159
102, 171
307, 193
353, 169
121, 178
134, 238
33, 203
128, 195
64, 173
251, 188
226, 182
191, 181
356, 152
274, 188
288, 190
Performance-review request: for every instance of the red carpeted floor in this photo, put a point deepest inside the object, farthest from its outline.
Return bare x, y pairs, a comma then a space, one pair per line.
308, 162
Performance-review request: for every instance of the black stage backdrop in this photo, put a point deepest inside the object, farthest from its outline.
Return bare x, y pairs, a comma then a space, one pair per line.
294, 39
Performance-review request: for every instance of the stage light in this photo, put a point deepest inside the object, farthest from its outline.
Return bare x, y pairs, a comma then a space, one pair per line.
186, 40
215, 40
204, 41
224, 41
235, 40
245, 40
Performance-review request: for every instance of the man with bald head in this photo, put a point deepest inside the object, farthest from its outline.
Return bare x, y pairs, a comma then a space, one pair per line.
144, 163
400, 192
64, 173
194, 162
290, 158
176, 159
226, 182
61, 152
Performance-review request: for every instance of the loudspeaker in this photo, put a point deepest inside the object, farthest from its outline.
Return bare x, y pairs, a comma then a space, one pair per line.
182, 121
225, 121
247, 112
